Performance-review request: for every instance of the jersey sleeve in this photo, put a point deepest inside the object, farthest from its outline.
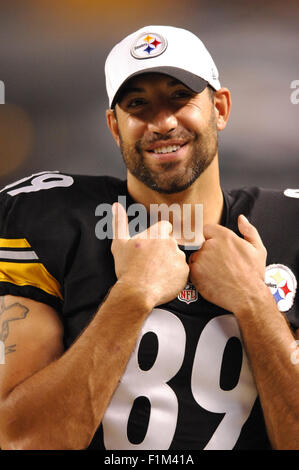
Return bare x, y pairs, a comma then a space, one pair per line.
275, 213
26, 268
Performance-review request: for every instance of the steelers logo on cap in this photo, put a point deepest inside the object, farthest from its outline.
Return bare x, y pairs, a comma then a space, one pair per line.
148, 45
283, 284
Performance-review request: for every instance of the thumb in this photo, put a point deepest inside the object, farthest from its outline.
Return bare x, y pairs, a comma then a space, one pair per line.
160, 229
249, 232
120, 224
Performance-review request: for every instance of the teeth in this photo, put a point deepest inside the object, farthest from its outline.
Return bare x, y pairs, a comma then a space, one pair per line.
168, 149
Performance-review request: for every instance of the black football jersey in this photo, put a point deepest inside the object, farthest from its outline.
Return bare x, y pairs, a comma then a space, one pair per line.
188, 383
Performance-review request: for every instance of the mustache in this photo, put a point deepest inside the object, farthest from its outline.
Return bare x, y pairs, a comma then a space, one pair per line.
182, 134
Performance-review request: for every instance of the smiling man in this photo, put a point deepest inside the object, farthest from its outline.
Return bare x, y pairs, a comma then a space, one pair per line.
181, 140
149, 343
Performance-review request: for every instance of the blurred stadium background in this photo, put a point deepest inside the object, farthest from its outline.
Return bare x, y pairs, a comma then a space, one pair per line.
52, 55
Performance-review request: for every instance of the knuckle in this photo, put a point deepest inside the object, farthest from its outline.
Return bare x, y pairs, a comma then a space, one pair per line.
264, 250
172, 243
228, 235
113, 247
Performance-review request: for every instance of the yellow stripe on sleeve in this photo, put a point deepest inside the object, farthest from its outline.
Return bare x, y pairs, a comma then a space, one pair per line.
26, 273
29, 274
14, 243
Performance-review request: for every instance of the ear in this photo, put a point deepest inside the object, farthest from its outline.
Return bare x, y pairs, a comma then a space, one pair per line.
113, 125
222, 103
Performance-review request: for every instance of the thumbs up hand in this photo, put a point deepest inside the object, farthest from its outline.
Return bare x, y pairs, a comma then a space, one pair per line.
229, 270
150, 262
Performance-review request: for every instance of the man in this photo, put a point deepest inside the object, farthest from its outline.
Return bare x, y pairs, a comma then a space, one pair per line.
149, 343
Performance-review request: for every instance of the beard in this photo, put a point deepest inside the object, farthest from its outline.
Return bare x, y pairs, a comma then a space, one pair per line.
205, 146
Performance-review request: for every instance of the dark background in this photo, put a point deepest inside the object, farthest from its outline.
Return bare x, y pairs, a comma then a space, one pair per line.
52, 55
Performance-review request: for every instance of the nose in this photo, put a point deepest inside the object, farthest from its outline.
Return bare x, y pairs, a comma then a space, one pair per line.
163, 121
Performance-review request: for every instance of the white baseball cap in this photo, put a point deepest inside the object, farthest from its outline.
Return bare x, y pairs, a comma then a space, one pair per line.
163, 49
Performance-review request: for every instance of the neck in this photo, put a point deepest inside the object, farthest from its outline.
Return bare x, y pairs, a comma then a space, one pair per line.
206, 190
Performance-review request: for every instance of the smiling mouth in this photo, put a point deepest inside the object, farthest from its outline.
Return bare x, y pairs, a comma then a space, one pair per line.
166, 149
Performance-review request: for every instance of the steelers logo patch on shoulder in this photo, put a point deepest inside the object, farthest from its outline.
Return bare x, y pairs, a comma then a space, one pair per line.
148, 45
283, 284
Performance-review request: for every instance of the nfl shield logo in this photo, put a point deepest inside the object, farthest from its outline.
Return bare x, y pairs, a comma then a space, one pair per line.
188, 294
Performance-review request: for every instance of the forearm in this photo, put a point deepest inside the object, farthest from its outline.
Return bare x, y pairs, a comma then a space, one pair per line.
268, 341
61, 406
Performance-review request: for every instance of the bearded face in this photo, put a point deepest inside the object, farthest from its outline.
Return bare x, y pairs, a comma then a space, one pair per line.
175, 175
167, 132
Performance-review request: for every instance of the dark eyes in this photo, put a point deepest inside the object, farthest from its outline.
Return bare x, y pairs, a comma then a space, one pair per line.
135, 102
176, 96
180, 94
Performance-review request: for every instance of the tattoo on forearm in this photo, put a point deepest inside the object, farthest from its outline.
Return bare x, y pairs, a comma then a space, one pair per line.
9, 314
10, 349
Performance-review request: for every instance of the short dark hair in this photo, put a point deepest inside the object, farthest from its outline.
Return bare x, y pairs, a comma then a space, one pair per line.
211, 92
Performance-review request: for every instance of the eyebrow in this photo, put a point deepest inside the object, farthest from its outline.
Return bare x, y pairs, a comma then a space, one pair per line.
128, 90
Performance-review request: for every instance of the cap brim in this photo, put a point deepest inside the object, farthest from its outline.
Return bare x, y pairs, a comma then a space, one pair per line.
192, 81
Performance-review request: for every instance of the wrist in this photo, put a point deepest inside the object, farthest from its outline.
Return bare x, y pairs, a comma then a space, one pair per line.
141, 296
255, 299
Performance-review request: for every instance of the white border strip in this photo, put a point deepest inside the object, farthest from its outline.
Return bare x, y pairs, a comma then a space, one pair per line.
18, 255
2, 92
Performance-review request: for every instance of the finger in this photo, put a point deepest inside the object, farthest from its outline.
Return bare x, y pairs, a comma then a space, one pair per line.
213, 230
249, 232
162, 229
193, 257
120, 222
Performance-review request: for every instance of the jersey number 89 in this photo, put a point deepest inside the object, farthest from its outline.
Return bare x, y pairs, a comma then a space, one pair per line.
236, 403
